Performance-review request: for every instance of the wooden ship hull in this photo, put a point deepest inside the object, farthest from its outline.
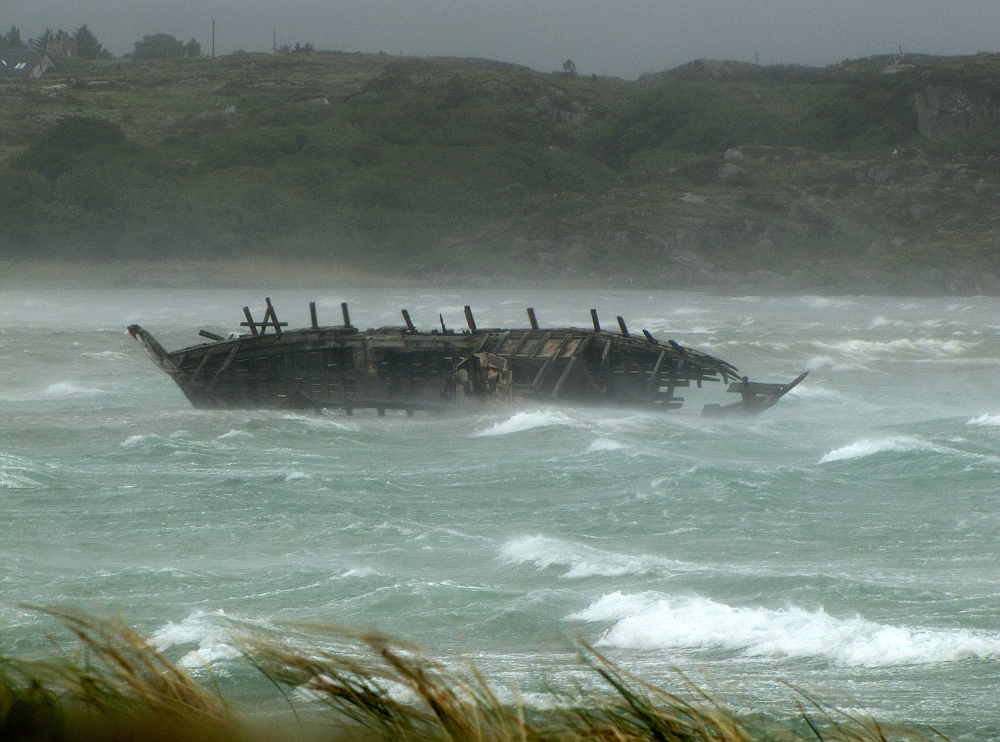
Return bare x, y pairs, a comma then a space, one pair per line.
403, 368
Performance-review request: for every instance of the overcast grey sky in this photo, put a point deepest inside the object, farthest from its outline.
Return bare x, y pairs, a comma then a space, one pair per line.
623, 38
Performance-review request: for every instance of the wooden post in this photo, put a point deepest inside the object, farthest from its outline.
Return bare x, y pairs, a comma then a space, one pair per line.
532, 319
623, 326
312, 315
649, 337
408, 321
347, 315
270, 313
211, 335
597, 322
469, 318
250, 323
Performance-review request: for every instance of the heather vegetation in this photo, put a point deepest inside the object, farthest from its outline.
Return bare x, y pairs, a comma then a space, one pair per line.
712, 174
107, 683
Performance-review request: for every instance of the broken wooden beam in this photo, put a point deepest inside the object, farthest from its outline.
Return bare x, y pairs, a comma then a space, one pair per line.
623, 326
532, 319
408, 321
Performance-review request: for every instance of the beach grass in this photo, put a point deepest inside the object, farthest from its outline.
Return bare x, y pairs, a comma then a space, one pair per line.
107, 683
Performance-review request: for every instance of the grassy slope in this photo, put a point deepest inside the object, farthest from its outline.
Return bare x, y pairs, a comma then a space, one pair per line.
435, 167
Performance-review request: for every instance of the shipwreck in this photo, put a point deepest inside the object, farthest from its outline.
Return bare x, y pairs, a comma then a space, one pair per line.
405, 368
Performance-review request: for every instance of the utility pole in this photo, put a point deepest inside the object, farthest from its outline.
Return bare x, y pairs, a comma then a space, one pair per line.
213, 38
274, 41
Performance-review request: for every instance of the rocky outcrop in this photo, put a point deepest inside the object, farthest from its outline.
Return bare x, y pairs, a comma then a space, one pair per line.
942, 111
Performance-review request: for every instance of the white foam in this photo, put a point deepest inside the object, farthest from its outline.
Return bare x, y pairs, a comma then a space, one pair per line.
986, 420
361, 572
871, 446
653, 621
107, 355
583, 561
823, 302
903, 348
135, 440
69, 389
234, 434
323, 422
606, 444
16, 480
201, 628
297, 476
523, 421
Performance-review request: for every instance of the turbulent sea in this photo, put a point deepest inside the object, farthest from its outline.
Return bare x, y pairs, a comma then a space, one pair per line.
846, 541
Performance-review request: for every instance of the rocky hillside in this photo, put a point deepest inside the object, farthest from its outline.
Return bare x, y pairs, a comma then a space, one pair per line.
877, 175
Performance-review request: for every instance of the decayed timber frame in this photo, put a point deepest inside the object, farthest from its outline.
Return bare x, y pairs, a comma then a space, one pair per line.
401, 367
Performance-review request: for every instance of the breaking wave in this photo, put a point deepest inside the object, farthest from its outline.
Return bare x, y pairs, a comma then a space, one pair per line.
870, 447
207, 630
653, 621
582, 561
991, 421
70, 389
523, 421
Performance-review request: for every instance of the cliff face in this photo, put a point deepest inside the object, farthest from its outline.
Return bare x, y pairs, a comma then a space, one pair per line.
944, 111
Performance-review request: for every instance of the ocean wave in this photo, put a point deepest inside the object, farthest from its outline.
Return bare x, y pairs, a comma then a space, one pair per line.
654, 621
872, 446
321, 422
903, 348
207, 630
607, 444
903, 444
991, 421
70, 389
825, 302
524, 421
583, 561
14, 475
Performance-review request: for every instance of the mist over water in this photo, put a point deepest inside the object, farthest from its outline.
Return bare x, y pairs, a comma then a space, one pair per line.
845, 541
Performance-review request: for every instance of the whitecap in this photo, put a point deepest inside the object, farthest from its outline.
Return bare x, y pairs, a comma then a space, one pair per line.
201, 628
606, 444
583, 561
68, 389
135, 440
322, 422
361, 572
523, 421
297, 476
871, 446
987, 420
867, 350
16, 480
653, 621
234, 434
824, 302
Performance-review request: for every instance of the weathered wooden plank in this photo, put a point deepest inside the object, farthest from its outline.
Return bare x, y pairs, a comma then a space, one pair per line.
623, 326
249, 323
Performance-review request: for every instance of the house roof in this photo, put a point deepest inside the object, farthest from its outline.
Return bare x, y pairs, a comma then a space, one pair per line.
16, 61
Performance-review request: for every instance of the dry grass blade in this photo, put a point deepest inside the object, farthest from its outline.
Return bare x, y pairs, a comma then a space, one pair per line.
118, 688
389, 687
118, 669
652, 713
